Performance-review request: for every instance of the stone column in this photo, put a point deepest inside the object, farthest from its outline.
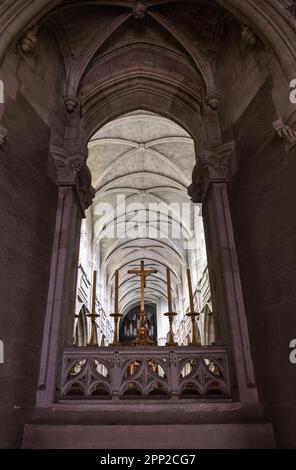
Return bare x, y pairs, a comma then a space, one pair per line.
75, 196
210, 187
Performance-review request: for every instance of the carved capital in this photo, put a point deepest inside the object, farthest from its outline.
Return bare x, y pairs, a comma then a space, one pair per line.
214, 166
68, 171
73, 171
3, 134
287, 133
139, 11
248, 35
67, 167
28, 42
217, 162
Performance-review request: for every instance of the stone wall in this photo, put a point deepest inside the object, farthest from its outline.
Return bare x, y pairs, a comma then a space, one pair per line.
27, 208
28, 200
262, 197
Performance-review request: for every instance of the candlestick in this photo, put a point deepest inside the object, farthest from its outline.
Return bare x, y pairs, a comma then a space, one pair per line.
190, 290
193, 315
169, 291
170, 314
116, 315
116, 291
93, 341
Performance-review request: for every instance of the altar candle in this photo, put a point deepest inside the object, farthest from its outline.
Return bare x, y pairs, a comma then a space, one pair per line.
190, 291
116, 291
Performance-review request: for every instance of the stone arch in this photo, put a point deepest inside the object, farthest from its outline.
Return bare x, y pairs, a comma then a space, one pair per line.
128, 96
81, 331
270, 20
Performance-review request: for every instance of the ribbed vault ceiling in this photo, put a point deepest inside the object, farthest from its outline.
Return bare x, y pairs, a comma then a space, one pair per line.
146, 159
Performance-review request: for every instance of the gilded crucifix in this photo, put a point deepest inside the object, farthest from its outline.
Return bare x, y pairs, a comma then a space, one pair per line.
143, 335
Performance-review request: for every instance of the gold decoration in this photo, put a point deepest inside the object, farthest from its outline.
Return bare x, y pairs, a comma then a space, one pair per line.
170, 314
143, 338
195, 340
116, 315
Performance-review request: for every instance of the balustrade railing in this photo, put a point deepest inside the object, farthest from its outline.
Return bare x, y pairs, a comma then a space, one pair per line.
154, 372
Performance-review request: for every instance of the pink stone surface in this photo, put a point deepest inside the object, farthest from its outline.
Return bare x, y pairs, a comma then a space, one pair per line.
207, 436
170, 74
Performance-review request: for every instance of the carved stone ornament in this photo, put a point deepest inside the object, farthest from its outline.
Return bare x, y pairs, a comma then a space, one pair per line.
116, 360
139, 11
3, 134
67, 170
28, 42
85, 189
71, 103
200, 184
73, 171
213, 100
128, 369
218, 162
173, 359
248, 36
213, 166
285, 132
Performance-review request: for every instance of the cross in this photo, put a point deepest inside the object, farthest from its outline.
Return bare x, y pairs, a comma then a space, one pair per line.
143, 273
